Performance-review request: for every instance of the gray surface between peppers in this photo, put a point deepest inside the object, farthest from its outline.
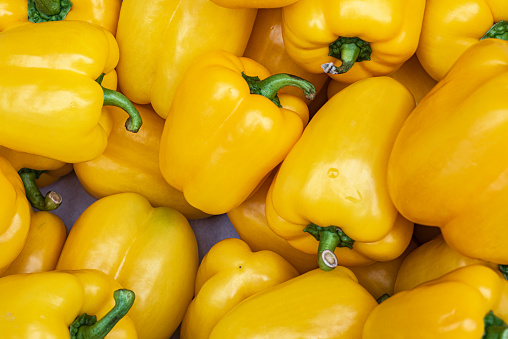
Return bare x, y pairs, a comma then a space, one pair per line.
208, 231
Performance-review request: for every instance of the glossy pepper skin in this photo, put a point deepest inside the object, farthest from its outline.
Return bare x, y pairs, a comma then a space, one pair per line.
51, 104
151, 251
130, 163
449, 147
44, 305
452, 307
44, 243
331, 186
372, 38
451, 26
38, 171
156, 52
228, 274
431, 261
218, 149
316, 304
253, 3
249, 221
14, 214
411, 74
99, 12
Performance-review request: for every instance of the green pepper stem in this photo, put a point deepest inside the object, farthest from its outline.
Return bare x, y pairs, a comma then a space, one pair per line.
329, 238
382, 298
504, 270
47, 10
496, 332
498, 31
270, 86
50, 202
495, 327
89, 328
349, 50
114, 98
48, 7
349, 54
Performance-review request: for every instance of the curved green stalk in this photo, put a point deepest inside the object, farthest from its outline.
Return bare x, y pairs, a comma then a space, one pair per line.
50, 202
87, 327
114, 98
349, 51
47, 10
270, 86
329, 238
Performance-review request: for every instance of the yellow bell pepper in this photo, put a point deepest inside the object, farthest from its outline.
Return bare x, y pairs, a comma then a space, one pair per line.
316, 304
43, 245
451, 26
65, 305
379, 278
100, 12
159, 40
467, 303
445, 169
14, 214
253, 3
218, 149
38, 171
130, 163
151, 251
228, 274
368, 37
51, 104
249, 221
330, 193
431, 261
411, 74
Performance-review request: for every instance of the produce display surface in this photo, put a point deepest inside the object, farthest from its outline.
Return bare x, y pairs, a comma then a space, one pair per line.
235, 169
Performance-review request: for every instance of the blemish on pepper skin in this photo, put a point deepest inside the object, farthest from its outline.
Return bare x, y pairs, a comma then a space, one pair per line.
356, 199
239, 266
333, 172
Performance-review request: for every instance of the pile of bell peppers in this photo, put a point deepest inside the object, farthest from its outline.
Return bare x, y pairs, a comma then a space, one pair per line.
352, 146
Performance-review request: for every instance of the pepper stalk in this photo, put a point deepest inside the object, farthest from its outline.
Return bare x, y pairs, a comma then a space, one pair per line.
87, 327
498, 31
349, 50
270, 86
495, 327
329, 238
47, 10
114, 98
50, 202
